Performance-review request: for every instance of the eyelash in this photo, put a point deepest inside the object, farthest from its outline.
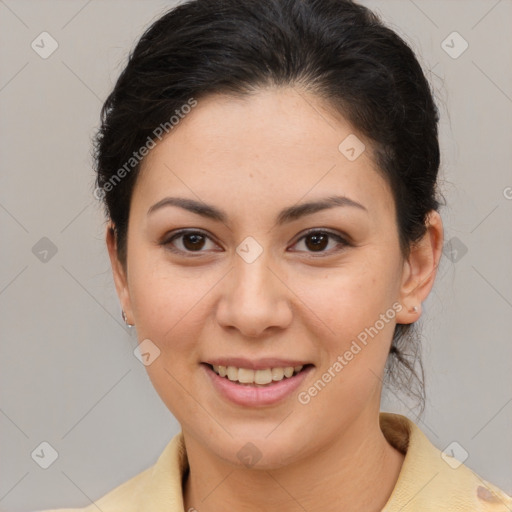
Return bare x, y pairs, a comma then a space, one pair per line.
341, 241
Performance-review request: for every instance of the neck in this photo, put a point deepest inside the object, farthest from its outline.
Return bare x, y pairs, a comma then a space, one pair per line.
356, 471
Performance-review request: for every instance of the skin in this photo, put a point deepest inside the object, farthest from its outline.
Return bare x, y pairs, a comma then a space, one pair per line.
253, 157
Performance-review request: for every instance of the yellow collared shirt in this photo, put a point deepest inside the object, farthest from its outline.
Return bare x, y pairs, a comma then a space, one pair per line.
428, 481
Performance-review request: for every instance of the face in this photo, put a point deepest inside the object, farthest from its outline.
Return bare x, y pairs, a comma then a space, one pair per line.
226, 267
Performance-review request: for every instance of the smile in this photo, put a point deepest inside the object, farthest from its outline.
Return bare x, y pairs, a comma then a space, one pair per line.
259, 377
248, 387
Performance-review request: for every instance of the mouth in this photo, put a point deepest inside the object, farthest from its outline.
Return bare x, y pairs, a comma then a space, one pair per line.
257, 378
269, 384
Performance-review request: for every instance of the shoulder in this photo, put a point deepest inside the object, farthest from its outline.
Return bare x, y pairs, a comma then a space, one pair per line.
433, 480
157, 488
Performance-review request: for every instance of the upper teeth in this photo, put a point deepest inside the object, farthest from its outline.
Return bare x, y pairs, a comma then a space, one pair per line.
248, 376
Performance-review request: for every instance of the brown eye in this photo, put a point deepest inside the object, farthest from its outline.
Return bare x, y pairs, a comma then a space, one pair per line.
317, 242
193, 241
189, 242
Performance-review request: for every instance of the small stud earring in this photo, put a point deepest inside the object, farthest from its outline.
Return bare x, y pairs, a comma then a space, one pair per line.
126, 320
414, 309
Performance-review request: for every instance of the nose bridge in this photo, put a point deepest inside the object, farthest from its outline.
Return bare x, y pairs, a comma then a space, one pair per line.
252, 280
251, 275
254, 299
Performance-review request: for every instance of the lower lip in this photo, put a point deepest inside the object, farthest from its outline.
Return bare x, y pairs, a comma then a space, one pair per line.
253, 396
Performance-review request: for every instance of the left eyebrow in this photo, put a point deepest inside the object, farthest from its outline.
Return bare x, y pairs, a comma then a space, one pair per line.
287, 215
300, 210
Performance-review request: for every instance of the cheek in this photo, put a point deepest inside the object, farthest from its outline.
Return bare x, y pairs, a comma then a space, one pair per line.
169, 305
348, 300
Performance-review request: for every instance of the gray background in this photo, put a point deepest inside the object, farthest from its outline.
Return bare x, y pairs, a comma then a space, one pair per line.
68, 373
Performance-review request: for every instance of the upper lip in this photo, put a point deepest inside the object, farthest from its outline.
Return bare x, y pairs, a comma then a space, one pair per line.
255, 364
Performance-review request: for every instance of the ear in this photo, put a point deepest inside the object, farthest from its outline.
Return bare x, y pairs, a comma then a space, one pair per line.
119, 272
420, 270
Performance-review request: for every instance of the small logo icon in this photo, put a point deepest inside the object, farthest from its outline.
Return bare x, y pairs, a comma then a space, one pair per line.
44, 250
352, 147
44, 455
146, 352
454, 455
249, 250
44, 45
454, 45
249, 455
454, 249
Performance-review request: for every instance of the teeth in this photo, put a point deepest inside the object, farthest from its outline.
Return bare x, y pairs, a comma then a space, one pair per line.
259, 377
277, 374
263, 376
288, 371
245, 376
232, 373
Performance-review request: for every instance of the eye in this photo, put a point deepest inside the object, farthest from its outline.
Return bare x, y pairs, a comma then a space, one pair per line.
187, 241
320, 241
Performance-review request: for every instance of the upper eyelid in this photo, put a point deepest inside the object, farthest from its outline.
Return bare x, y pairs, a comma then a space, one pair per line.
334, 234
186, 231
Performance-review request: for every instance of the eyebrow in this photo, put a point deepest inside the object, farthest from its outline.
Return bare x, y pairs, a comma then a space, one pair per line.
287, 215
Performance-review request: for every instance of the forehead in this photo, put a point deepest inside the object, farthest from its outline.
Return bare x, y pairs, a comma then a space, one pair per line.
276, 145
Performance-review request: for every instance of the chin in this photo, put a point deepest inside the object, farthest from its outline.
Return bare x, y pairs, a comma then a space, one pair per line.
262, 451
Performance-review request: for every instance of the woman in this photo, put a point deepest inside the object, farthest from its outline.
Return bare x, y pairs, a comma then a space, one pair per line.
269, 174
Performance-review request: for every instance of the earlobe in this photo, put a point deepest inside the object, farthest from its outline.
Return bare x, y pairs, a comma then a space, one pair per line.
420, 269
119, 273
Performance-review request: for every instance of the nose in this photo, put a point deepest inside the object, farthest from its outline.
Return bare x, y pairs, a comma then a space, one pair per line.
254, 299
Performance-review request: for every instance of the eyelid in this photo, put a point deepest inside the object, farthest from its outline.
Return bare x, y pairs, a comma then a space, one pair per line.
341, 238
170, 237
